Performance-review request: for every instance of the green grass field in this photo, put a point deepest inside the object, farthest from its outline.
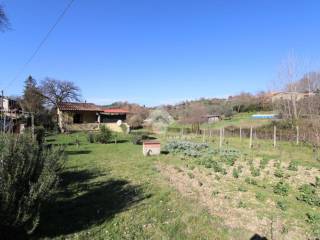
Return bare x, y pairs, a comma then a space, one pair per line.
111, 191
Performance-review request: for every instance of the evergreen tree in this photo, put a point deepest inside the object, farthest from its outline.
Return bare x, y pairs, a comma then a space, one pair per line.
32, 100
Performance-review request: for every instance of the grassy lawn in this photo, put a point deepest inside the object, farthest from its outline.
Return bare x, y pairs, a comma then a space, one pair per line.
111, 191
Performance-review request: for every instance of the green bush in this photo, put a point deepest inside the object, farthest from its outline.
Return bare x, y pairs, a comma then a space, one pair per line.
251, 181
137, 139
40, 134
283, 205
278, 173
28, 175
293, 166
104, 135
235, 173
255, 172
317, 183
281, 188
261, 196
124, 128
313, 218
309, 195
91, 137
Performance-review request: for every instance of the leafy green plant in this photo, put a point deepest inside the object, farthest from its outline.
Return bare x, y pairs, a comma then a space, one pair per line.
137, 139
191, 175
282, 204
261, 196
313, 218
105, 135
255, 172
242, 204
293, 166
281, 188
279, 173
264, 162
242, 189
309, 195
28, 175
235, 173
251, 181
317, 182
91, 137
124, 128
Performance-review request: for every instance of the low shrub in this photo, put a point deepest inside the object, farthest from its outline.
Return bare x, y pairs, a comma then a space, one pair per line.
317, 182
255, 172
242, 204
283, 205
281, 188
309, 195
313, 218
137, 139
261, 196
191, 175
105, 135
293, 166
235, 173
242, 189
124, 128
264, 162
91, 137
40, 134
186, 148
278, 173
28, 176
251, 181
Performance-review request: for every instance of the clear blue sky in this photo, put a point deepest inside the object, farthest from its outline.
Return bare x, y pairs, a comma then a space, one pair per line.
158, 51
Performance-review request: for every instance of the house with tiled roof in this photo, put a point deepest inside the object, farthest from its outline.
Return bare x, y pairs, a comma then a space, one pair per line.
74, 116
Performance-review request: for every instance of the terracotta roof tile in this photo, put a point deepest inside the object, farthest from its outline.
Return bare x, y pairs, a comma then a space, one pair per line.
72, 106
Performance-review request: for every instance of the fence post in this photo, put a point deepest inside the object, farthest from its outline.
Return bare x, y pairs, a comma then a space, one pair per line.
32, 125
297, 140
203, 135
240, 134
250, 142
274, 136
220, 145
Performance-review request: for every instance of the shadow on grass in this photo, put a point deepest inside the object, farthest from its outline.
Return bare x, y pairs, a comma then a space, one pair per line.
258, 237
77, 152
81, 204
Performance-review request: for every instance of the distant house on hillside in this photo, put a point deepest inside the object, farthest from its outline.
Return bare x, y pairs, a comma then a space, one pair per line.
88, 117
10, 112
212, 118
291, 95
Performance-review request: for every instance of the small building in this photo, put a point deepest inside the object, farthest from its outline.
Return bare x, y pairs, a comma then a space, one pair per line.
291, 96
212, 118
88, 117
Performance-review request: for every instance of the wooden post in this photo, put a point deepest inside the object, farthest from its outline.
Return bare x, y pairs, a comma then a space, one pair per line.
32, 125
274, 136
203, 135
297, 140
240, 134
250, 141
220, 145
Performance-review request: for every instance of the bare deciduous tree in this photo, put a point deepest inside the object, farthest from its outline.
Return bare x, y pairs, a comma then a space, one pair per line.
57, 91
4, 23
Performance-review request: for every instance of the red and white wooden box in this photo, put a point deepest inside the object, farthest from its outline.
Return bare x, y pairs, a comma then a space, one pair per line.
151, 148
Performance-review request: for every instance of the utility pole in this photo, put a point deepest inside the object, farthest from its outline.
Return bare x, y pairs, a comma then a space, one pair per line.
2, 110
